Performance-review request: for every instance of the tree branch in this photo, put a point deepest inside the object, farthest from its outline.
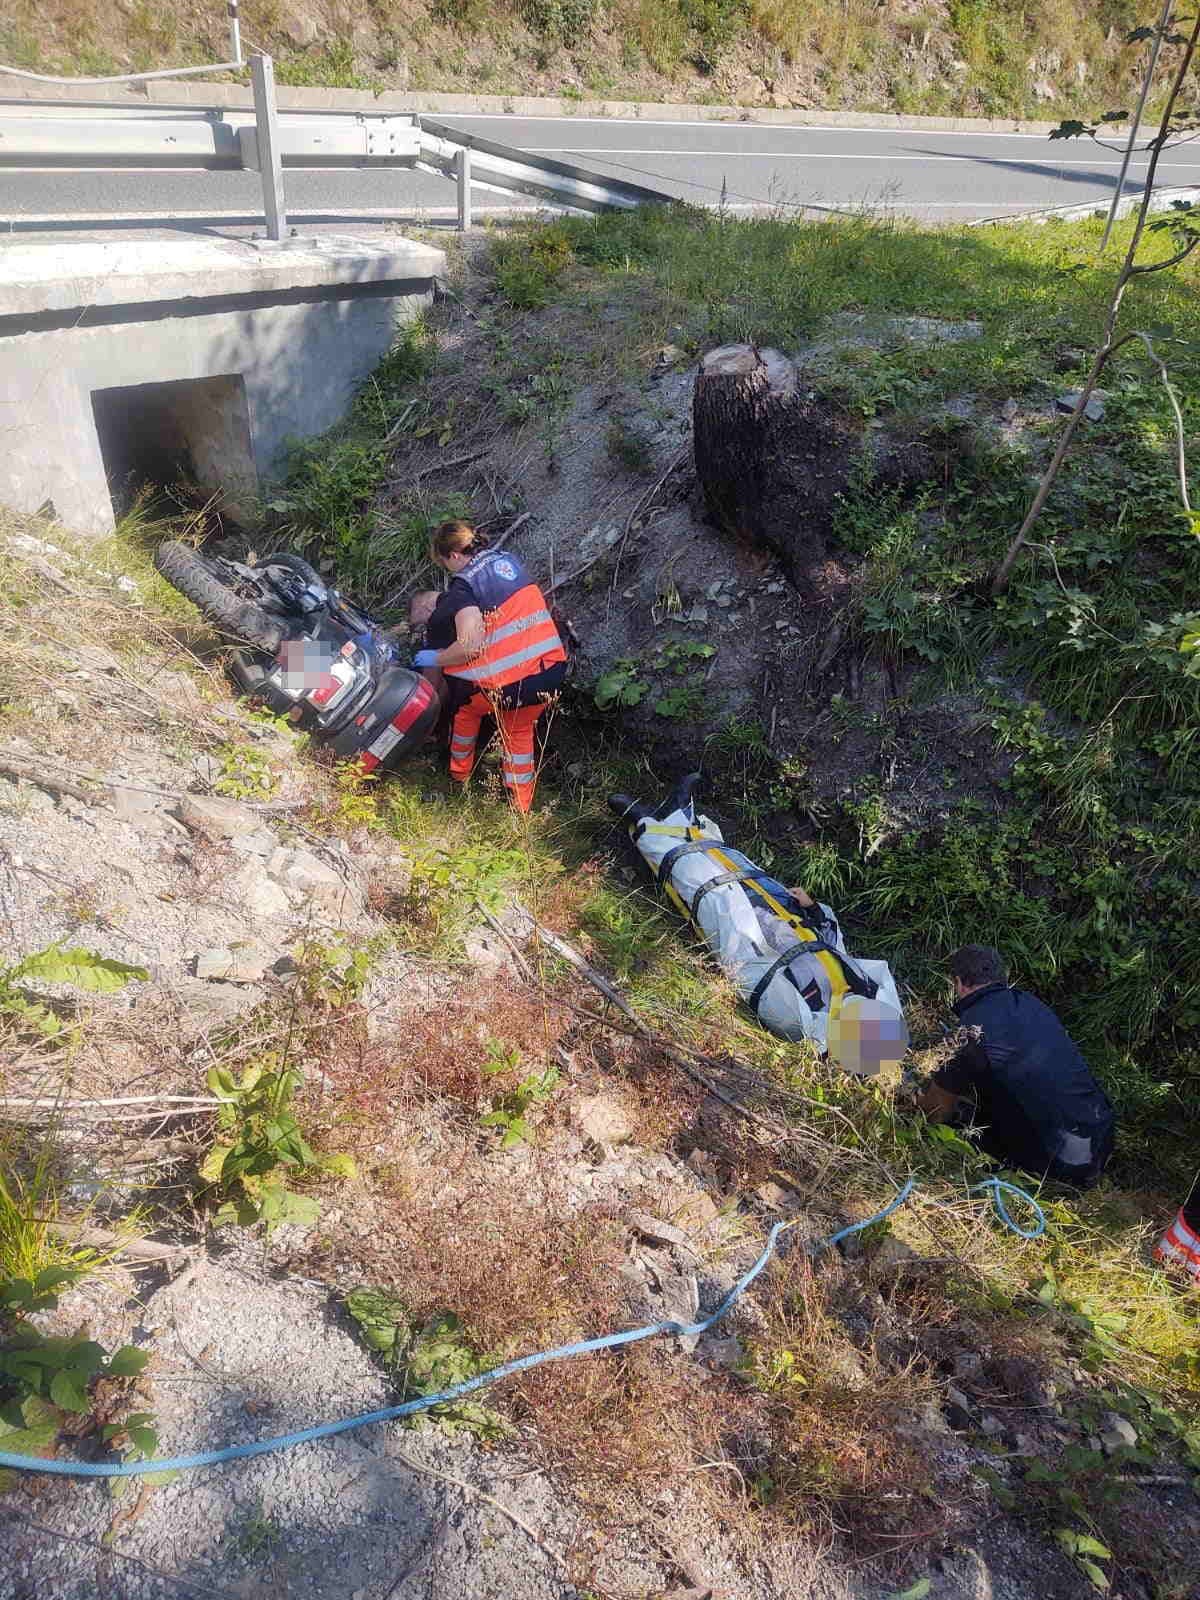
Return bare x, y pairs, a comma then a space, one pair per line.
1108, 345
1171, 261
1180, 434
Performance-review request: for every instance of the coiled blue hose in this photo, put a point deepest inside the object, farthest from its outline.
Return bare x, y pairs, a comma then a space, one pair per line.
1000, 1188
326, 1430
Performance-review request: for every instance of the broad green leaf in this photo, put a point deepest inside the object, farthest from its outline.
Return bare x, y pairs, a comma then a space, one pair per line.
918, 1591
51, 1278
340, 1166
211, 1167
38, 1413
82, 968
143, 1439
28, 1441
1097, 1575
69, 1390
127, 1362
85, 1356
220, 1082
1087, 1546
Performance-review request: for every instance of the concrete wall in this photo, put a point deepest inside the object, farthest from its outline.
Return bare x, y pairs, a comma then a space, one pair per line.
301, 344
194, 428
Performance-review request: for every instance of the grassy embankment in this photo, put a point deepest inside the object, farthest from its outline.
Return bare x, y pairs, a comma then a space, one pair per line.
1083, 875
956, 57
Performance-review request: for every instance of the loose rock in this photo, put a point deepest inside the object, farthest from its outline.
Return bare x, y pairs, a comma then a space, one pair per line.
1117, 1433
257, 894
309, 883
215, 819
240, 963
602, 1121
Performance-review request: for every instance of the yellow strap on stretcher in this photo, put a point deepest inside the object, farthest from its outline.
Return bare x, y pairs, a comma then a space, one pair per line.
838, 985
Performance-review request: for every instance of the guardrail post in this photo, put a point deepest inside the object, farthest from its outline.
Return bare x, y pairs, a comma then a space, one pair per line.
462, 167
266, 120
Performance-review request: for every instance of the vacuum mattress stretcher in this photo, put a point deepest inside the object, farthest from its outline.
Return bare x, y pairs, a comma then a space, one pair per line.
787, 960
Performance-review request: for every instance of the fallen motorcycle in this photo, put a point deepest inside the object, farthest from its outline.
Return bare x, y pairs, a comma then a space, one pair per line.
307, 653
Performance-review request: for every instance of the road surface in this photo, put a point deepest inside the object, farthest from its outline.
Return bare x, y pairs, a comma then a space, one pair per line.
935, 176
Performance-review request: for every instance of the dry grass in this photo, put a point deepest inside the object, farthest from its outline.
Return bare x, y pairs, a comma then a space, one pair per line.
944, 55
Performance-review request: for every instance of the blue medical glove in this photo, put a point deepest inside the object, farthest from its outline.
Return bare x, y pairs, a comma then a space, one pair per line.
425, 658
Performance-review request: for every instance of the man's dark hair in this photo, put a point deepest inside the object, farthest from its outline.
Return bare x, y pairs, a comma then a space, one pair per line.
976, 964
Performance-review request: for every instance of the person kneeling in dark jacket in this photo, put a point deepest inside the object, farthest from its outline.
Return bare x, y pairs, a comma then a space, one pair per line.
1037, 1105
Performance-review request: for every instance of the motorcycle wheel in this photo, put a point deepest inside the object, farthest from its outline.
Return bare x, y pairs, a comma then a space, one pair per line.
201, 581
294, 563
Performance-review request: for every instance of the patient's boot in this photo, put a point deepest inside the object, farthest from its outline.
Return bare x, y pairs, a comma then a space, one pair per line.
627, 808
680, 798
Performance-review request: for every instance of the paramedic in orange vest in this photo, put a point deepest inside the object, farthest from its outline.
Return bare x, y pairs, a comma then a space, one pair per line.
507, 659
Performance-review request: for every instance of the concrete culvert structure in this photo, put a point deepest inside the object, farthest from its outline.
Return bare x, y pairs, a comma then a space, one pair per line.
120, 358
195, 429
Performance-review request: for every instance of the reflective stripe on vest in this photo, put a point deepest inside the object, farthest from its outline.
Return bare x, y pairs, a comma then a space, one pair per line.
520, 639
1180, 1245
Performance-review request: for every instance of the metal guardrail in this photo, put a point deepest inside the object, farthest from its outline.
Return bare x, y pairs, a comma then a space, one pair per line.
510, 171
269, 142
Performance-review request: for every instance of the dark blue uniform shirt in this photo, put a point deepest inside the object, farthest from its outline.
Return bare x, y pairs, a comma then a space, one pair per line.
1041, 1107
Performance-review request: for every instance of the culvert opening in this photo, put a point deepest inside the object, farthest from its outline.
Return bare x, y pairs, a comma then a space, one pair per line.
183, 440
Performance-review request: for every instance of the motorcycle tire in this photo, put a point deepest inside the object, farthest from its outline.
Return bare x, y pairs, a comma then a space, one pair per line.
188, 571
294, 563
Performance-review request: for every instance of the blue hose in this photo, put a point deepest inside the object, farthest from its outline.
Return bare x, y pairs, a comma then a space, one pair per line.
999, 1189
326, 1430
857, 1227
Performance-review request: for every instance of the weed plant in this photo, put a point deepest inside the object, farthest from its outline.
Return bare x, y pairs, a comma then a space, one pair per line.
981, 57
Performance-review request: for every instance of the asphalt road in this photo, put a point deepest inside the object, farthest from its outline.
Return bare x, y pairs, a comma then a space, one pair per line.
948, 176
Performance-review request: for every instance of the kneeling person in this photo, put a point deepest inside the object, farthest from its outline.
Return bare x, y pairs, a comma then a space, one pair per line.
1039, 1105
506, 654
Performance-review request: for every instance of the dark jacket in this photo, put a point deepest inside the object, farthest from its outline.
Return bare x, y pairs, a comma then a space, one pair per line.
1043, 1109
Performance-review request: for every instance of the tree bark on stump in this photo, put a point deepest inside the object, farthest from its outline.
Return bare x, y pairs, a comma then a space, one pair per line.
770, 458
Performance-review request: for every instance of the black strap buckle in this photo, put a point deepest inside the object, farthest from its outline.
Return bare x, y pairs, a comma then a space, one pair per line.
691, 848
857, 982
721, 881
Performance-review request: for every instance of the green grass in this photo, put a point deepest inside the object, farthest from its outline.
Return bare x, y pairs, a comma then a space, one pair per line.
1082, 874
327, 502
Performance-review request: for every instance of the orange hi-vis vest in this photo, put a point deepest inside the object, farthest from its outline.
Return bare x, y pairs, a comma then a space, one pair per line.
520, 638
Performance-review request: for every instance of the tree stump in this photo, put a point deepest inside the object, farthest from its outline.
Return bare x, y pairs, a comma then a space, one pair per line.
770, 458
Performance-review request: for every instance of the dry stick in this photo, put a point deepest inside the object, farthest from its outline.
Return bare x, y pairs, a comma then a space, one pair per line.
1131, 144
45, 781
438, 466
569, 577
33, 774
146, 1252
641, 506
470, 1488
1180, 437
599, 981
1109, 346
514, 948
125, 1100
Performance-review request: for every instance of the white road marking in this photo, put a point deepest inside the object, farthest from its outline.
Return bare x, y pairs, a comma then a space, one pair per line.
805, 155
721, 122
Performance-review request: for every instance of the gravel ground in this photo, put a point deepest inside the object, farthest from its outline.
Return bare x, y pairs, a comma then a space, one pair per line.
238, 1358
